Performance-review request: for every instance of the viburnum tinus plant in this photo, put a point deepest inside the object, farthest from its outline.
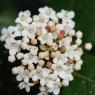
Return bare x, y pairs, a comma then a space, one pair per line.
46, 47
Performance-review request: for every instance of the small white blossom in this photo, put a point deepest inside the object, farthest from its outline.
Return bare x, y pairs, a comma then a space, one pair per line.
14, 70
78, 41
41, 18
88, 46
39, 73
23, 76
11, 59
49, 12
25, 85
33, 50
65, 42
65, 14
24, 18
30, 59
67, 18
19, 55
60, 59
79, 34
71, 33
49, 39
25, 40
7, 33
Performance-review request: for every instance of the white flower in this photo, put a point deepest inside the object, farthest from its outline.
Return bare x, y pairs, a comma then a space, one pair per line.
25, 85
42, 39
77, 67
34, 59
59, 27
7, 33
12, 51
24, 45
30, 59
44, 55
63, 71
41, 62
66, 78
23, 76
88, 46
25, 40
52, 83
20, 69
60, 59
66, 14
77, 54
71, 32
41, 18
39, 73
70, 52
55, 46
19, 55
58, 69
78, 64
31, 31
33, 50
31, 67
67, 18
11, 59
43, 91
49, 12
49, 39
46, 39
41, 55
24, 62
78, 41
24, 18
65, 82
79, 34
14, 70
69, 23
24, 33
12, 44
65, 42
4, 34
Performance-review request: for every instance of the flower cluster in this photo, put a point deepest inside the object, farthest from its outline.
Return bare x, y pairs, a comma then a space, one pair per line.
46, 47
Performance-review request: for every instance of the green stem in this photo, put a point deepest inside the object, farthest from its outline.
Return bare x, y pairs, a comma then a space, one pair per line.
84, 77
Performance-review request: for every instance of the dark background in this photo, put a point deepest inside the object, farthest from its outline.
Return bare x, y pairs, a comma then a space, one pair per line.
85, 21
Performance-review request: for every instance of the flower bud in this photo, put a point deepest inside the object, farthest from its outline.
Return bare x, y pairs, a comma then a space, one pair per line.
41, 62
53, 54
88, 46
62, 49
34, 41
61, 35
49, 64
11, 59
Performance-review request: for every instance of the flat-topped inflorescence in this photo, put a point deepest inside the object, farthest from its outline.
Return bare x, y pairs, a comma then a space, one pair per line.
47, 48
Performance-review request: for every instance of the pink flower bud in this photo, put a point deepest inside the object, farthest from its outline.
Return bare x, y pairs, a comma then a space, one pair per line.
61, 35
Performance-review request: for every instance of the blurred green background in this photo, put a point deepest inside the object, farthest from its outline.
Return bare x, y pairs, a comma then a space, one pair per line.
84, 81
